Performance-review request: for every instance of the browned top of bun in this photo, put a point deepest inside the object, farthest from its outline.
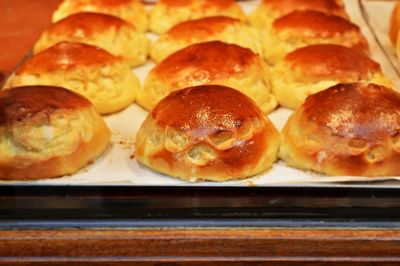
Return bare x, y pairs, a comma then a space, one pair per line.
205, 109
102, 3
200, 28
205, 3
66, 55
29, 102
206, 61
311, 23
363, 111
395, 23
286, 6
330, 60
86, 24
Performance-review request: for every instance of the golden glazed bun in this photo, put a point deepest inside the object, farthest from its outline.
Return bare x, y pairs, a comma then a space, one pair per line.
229, 30
394, 23
110, 33
46, 132
302, 28
131, 11
210, 63
104, 79
349, 129
207, 132
168, 13
311, 69
269, 10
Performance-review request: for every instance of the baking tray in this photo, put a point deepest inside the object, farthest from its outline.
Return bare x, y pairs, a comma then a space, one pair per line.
117, 166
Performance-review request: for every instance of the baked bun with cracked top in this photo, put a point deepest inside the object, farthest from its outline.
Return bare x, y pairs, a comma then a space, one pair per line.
47, 132
131, 11
203, 63
167, 13
269, 10
349, 129
104, 79
226, 29
314, 68
108, 32
207, 132
302, 28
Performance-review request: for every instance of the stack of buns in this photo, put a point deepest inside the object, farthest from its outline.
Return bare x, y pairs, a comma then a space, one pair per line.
215, 79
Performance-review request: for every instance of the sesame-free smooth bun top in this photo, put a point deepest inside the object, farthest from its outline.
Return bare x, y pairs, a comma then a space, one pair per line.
201, 28
331, 61
205, 109
286, 6
26, 102
221, 4
212, 62
131, 11
207, 58
348, 129
167, 13
207, 132
311, 23
66, 55
108, 32
86, 24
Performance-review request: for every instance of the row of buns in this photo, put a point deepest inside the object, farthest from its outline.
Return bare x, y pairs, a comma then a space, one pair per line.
199, 133
213, 132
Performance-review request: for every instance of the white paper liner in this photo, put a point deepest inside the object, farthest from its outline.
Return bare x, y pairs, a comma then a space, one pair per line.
117, 166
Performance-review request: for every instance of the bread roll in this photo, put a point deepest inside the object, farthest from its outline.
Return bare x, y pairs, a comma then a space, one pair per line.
311, 69
108, 32
303, 28
203, 63
199, 133
90, 71
269, 10
229, 30
349, 129
132, 11
168, 13
47, 132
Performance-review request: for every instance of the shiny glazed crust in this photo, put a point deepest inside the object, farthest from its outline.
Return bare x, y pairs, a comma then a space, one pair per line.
105, 80
199, 133
201, 64
47, 132
131, 11
108, 32
269, 10
302, 28
349, 129
167, 13
226, 29
311, 69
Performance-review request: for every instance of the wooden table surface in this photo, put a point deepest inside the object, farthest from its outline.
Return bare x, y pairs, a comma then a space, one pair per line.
20, 25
